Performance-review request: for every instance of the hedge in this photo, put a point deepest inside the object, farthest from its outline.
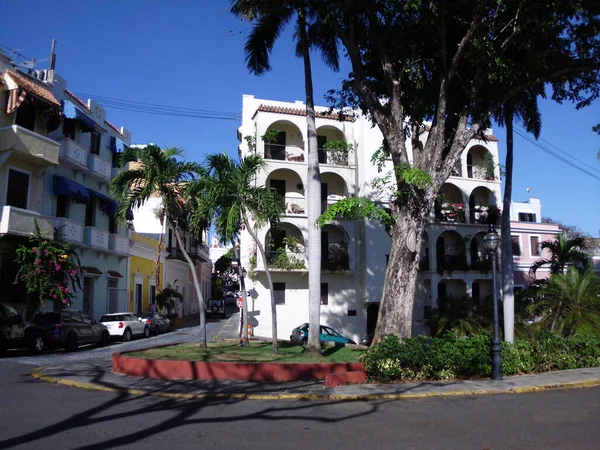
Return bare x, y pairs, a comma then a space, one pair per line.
427, 358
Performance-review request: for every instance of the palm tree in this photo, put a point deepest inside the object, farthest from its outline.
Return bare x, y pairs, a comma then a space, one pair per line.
564, 252
154, 172
524, 107
570, 302
270, 18
227, 192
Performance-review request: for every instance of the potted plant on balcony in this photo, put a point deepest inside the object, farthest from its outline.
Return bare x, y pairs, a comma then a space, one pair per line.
269, 138
337, 152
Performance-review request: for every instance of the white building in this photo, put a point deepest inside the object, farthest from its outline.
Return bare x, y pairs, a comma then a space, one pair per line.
355, 252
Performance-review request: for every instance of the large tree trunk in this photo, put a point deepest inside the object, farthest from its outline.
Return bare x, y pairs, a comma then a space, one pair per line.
399, 291
313, 204
198, 290
506, 261
263, 255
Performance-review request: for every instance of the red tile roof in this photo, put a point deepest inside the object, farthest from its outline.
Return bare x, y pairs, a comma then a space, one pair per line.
33, 87
81, 102
302, 112
113, 127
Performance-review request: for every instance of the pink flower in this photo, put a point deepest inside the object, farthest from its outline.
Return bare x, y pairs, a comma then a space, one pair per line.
73, 273
35, 251
64, 300
57, 266
38, 261
66, 290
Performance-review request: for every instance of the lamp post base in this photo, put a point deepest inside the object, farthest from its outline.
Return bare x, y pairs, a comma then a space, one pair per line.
496, 359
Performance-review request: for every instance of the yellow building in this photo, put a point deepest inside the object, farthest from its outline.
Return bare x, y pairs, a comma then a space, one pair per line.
142, 284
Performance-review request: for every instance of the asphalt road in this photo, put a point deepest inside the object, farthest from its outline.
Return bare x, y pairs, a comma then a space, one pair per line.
38, 415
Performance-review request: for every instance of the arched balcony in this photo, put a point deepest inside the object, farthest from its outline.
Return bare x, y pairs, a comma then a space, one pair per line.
480, 163
478, 253
335, 255
290, 187
450, 252
284, 247
333, 189
338, 155
483, 207
424, 265
482, 292
450, 204
283, 141
448, 289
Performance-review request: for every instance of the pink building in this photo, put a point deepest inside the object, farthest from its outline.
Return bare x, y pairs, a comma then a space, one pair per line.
527, 234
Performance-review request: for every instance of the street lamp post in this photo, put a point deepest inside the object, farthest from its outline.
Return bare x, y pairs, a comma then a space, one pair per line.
491, 241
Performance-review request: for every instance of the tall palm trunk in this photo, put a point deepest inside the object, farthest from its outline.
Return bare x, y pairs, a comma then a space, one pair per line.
244, 312
157, 260
263, 255
506, 261
198, 290
313, 200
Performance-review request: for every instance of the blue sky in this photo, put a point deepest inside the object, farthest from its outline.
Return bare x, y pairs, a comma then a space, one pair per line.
190, 54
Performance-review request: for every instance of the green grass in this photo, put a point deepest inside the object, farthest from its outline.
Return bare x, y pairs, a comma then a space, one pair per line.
258, 352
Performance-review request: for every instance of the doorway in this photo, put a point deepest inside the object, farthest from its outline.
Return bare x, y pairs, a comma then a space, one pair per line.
88, 296
138, 297
372, 313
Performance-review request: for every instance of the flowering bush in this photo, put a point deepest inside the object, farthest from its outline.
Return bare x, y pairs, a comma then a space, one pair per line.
49, 268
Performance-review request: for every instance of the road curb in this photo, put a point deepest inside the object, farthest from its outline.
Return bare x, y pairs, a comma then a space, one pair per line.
37, 374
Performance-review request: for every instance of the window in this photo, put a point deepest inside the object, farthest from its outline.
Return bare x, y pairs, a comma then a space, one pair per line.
170, 240
534, 242
62, 206
279, 290
516, 246
90, 213
527, 217
152, 294
95, 143
26, 116
112, 224
17, 190
115, 160
324, 294
69, 127
85, 318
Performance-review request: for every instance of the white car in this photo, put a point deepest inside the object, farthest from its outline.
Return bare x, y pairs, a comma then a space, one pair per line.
125, 325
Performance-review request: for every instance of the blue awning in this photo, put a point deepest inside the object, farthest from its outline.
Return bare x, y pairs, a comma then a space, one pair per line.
64, 186
117, 145
107, 204
72, 111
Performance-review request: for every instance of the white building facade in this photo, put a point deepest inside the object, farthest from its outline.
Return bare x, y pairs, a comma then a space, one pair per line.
355, 252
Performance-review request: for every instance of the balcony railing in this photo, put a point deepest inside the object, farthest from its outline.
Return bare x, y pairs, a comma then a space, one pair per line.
177, 253
335, 157
118, 244
451, 263
450, 212
34, 147
483, 214
202, 253
295, 206
284, 152
98, 168
73, 155
22, 222
285, 260
69, 230
479, 172
95, 238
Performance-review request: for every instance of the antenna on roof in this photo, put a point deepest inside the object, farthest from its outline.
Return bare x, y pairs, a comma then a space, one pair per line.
52, 56
529, 192
30, 63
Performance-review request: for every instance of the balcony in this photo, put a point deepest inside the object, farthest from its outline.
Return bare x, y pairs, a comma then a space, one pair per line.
201, 253
99, 169
21, 222
73, 155
284, 152
29, 145
118, 244
95, 238
69, 230
285, 260
115, 171
333, 157
295, 205
177, 253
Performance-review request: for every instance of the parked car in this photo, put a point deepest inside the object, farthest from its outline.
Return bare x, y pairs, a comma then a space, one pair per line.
15, 332
216, 307
68, 329
156, 322
125, 325
327, 334
231, 298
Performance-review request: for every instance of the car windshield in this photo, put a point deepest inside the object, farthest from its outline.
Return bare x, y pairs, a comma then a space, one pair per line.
116, 318
215, 302
44, 319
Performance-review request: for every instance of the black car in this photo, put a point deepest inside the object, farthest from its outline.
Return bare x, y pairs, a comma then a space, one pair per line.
15, 332
70, 329
216, 307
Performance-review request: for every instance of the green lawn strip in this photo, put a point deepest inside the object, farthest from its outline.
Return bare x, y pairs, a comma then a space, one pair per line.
257, 352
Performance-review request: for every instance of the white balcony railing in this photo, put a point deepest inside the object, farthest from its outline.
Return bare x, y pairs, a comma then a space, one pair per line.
295, 205
99, 168
118, 244
21, 222
69, 230
29, 145
96, 238
73, 155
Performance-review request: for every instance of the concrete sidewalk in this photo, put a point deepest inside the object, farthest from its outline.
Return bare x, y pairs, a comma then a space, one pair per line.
99, 376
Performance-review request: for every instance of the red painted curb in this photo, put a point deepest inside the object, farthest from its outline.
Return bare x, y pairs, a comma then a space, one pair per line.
341, 379
223, 371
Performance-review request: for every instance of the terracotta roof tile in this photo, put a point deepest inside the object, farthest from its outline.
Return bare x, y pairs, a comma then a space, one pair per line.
302, 112
77, 99
113, 127
34, 87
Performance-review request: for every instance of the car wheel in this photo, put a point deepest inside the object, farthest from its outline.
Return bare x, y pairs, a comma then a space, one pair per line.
127, 335
37, 343
104, 338
157, 330
170, 328
72, 342
146, 332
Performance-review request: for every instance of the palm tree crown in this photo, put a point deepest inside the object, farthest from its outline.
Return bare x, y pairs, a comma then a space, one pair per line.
564, 252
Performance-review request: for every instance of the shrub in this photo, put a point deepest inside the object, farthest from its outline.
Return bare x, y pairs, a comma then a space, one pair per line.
425, 358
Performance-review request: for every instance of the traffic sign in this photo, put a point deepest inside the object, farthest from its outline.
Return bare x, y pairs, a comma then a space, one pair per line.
240, 303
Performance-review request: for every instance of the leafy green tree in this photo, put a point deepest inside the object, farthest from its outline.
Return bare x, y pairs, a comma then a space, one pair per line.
451, 64
227, 193
570, 302
269, 18
49, 269
155, 172
564, 252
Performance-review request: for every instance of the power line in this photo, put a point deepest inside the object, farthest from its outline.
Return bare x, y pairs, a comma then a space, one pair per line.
563, 152
556, 155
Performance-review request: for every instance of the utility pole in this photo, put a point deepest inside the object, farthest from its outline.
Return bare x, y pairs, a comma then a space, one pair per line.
52, 62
